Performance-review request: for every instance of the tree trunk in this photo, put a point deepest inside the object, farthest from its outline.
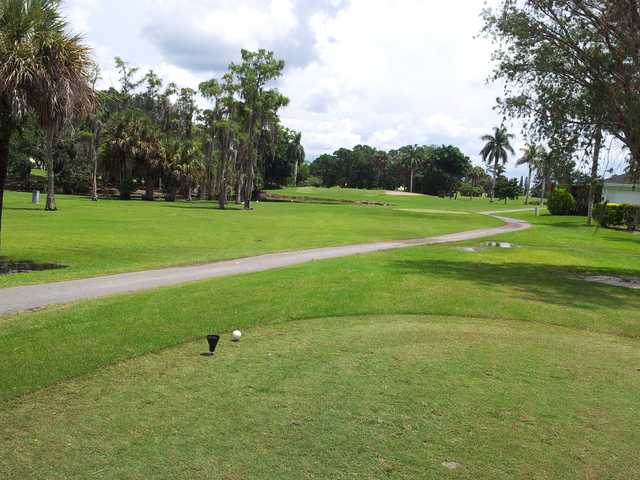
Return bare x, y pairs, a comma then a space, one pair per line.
189, 181
222, 181
597, 145
295, 174
411, 179
239, 189
94, 175
493, 181
51, 194
248, 187
5, 138
526, 200
543, 190
148, 188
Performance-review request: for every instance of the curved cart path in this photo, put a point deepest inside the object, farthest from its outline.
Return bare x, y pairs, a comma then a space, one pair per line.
16, 299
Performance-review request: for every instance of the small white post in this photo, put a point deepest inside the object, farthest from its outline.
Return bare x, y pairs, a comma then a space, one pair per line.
35, 197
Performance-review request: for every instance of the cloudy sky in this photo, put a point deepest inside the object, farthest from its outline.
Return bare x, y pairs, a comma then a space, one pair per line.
380, 72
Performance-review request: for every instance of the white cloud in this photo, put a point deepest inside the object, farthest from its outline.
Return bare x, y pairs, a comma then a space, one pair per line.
381, 72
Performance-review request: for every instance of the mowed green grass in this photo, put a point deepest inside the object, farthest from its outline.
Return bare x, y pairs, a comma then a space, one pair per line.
404, 201
534, 282
341, 398
374, 366
110, 236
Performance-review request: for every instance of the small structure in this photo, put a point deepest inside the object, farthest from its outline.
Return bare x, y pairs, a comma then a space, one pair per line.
621, 189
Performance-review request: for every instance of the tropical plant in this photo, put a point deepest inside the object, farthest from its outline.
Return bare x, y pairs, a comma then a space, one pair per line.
252, 75
44, 70
132, 148
476, 174
496, 152
506, 189
188, 165
561, 202
530, 157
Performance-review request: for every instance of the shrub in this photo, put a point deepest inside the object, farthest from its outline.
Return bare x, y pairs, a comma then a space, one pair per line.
631, 216
561, 202
617, 215
313, 181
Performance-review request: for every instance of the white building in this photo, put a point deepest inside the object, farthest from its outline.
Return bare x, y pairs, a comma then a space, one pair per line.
620, 189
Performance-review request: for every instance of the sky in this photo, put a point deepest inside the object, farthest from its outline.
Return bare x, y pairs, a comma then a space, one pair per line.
385, 73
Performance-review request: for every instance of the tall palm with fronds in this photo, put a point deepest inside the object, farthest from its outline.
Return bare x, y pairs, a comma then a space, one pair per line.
496, 151
531, 155
44, 70
188, 165
476, 174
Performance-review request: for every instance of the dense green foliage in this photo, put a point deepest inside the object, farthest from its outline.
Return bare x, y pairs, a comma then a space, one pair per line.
506, 189
569, 70
617, 215
431, 170
561, 202
44, 76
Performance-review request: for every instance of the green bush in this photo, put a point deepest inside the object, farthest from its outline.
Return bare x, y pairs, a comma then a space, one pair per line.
312, 181
561, 202
617, 215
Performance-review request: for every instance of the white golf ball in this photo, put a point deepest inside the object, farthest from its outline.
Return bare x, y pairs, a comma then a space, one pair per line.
236, 335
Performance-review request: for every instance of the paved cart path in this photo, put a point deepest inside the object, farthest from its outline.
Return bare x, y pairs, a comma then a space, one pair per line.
16, 299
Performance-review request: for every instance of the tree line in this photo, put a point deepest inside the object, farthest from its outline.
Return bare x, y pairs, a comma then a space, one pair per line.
571, 72
142, 135
430, 169
155, 137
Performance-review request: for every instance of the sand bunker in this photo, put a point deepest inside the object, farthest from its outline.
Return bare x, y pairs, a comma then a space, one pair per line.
401, 194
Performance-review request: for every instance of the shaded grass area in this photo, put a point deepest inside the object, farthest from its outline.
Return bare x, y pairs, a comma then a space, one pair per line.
533, 282
111, 236
364, 397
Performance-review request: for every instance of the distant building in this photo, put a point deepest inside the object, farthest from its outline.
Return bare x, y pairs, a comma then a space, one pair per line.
621, 189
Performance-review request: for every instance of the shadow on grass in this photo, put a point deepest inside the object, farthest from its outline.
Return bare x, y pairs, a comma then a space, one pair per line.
204, 206
540, 283
10, 267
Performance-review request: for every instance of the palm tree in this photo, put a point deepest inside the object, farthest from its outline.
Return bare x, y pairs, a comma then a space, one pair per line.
496, 152
188, 166
132, 148
44, 70
530, 156
544, 165
295, 152
476, 174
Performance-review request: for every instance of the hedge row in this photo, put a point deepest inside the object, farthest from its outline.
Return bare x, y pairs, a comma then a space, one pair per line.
617, 215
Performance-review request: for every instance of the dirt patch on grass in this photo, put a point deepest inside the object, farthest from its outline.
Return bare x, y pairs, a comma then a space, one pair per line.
626, 282
8, 267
